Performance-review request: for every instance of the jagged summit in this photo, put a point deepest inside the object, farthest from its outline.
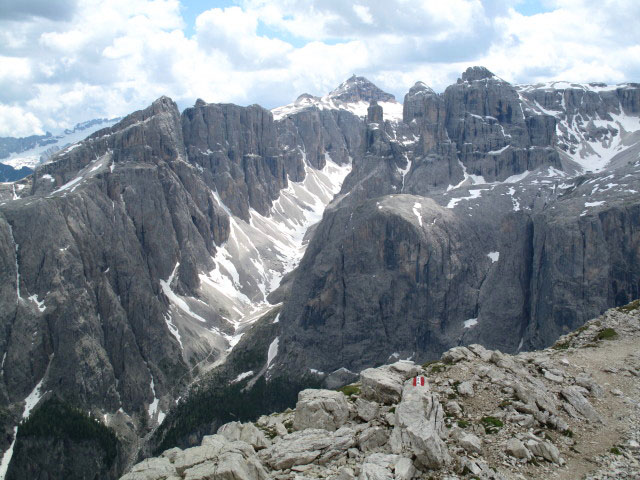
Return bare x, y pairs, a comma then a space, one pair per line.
421, 88
353, 95
358, 89
472, 74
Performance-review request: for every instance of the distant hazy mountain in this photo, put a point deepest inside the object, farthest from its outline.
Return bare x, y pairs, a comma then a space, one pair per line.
37, 149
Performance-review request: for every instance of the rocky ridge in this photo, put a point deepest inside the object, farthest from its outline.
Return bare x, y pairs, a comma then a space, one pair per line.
569, 411
466, 223
143, 256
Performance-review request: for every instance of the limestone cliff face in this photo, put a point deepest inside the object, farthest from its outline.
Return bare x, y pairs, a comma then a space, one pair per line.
107, 236
428, 247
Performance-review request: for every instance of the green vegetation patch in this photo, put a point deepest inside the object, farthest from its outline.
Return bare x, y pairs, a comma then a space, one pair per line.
56, 419
615, 451
350, 390
463, 423
491, 424
606, 334
434, 366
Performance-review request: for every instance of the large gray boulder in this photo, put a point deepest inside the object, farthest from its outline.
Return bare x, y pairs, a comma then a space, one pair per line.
579, 402
216, 459
419, 427
384, 384
246, 432
325, 409
379, 466
152, 469
306, 446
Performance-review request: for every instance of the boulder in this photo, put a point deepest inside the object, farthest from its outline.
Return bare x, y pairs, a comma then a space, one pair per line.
404, 469
171, 453
419, 427
372, 437
303, 447
466, 389
384, 384
574, 397
325, 409
194, 456
378, 466
481, 352
345, 473
457, 354
517, 449
544, 449
452, 407
586, 381
151, 469
367, 410
371, 471
246, 432
470, 443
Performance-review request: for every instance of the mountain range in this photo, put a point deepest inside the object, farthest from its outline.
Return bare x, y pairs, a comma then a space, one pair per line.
171, 257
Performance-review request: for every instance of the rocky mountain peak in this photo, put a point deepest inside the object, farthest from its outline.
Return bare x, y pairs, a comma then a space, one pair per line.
359, 89
421, 88
164, 104
472, 74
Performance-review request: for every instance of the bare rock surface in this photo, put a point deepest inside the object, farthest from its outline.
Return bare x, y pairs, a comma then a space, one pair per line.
518, 423
326, 409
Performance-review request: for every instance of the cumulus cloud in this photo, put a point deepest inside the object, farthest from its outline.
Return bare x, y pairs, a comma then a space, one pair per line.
91, 58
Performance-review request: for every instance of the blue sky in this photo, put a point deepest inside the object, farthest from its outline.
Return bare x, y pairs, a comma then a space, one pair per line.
71, 60
531, 7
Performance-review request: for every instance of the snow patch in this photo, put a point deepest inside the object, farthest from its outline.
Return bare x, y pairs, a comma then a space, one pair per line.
68, 185
472, 194
173, 329
494, 256
517, 178
242, 376
32, 399
41, 306
498, 152
416, 210
594, 204
470, 323
175, 299
273, 351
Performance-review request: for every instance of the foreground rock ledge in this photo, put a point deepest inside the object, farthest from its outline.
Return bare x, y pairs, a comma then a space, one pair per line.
570, 411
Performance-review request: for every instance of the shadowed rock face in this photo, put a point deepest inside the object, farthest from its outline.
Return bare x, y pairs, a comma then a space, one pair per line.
85, 252
420, 253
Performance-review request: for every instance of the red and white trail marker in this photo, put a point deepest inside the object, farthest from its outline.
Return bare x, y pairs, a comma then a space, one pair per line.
418, 381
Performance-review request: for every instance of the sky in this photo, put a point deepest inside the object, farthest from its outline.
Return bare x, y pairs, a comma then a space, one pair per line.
66, 61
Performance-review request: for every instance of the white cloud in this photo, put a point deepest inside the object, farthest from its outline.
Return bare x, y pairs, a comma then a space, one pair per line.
363, 14
19, 122
93, 58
